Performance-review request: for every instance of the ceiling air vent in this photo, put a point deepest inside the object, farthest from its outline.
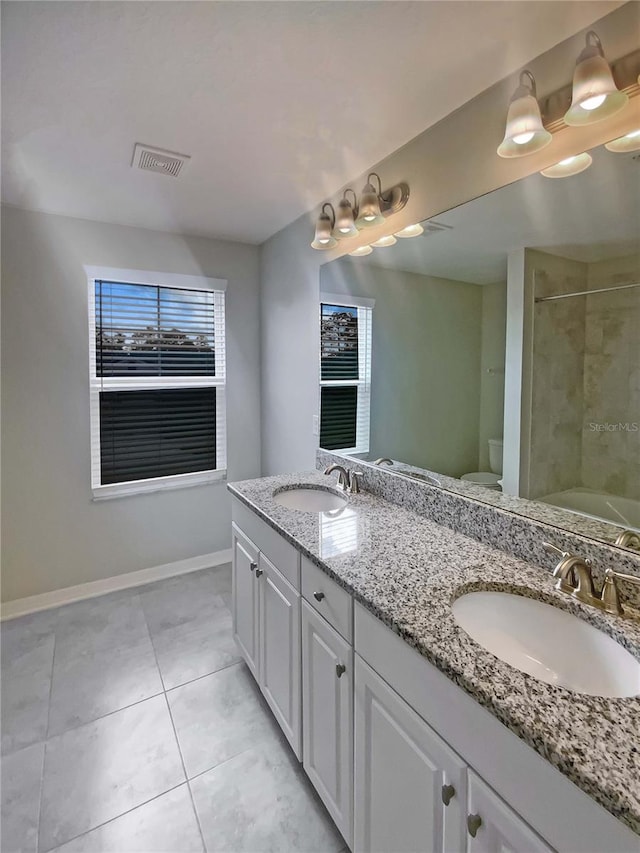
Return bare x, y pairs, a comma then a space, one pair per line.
158, 160
435, 227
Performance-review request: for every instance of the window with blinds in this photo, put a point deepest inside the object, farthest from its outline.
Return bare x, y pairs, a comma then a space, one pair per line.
157, 385
345, 376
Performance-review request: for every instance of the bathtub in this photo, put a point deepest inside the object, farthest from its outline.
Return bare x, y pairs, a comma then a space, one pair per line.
622, 511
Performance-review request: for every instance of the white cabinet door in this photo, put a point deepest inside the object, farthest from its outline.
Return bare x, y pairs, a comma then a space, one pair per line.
404, 774
327, 701
280, 650
493, 827
245, 599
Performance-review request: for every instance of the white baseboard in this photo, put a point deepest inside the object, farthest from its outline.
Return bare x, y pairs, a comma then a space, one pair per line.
57, 597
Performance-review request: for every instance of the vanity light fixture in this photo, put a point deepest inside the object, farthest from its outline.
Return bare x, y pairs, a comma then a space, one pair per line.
524, 132
324, 239
569, 166
410, 231
376, 206
369, 213
345, 224
624, 144
595, 95
383, 242
361, 252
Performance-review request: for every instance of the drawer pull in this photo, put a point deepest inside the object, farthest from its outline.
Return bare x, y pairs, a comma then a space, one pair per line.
253, 566
259, 572
474, 822
448, 793
318, 596
340, 669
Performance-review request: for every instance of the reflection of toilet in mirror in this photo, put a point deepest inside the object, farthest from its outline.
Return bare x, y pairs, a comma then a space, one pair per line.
489, 479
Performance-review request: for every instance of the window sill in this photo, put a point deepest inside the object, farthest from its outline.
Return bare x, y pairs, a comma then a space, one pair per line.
157, 484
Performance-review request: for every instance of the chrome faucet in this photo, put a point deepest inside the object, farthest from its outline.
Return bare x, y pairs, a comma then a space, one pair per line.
347, 480
628, 539
574, 577
384, 460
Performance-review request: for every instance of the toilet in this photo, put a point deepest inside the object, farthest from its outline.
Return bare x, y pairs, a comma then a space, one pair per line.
489, 479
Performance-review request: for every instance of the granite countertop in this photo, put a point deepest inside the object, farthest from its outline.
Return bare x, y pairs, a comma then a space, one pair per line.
536, 510
408, 570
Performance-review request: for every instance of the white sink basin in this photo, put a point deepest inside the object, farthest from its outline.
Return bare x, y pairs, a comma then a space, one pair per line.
308, 499
548, 643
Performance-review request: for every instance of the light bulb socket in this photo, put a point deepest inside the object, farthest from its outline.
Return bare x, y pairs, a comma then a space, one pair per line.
592, 81
524, 132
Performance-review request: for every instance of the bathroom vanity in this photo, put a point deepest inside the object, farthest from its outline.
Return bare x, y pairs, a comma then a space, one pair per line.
413, 735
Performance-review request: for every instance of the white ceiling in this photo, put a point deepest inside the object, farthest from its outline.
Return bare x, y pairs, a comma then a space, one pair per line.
589, 217
278, 103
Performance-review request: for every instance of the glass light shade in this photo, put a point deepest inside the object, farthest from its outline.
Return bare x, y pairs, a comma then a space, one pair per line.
324, 238
595, 94
569, 166
411, 231
389, 240
345, 226
361, 252
624, 144
369, 211
524, 132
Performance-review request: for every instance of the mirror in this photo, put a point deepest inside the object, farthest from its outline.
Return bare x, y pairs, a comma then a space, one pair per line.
498, 353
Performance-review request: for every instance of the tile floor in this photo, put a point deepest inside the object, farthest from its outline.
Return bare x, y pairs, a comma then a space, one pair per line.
130, 725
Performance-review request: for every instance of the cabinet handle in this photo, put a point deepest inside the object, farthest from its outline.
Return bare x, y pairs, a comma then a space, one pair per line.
253, 566
318, 596
448, 793
340, 668
259, 572
474, 822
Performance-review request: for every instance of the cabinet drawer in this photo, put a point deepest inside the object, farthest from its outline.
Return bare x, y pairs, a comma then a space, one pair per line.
328, 598
277, 550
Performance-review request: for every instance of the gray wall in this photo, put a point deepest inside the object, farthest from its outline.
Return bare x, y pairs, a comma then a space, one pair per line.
53, 534
447, 165
494, 331
426, 341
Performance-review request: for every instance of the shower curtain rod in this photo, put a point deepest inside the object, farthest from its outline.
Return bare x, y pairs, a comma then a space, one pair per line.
586, 292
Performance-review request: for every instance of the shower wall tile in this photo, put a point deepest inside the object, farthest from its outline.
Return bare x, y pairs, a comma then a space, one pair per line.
611, 435
558, 376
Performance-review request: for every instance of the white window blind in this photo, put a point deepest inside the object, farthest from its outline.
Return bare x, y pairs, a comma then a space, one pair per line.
158, 407
345, 373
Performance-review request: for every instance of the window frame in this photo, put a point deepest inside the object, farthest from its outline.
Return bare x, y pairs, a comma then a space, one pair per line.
149, 383
363, 383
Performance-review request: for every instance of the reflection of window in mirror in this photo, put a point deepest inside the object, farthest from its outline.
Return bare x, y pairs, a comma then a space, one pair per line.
338, 532
345, 373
